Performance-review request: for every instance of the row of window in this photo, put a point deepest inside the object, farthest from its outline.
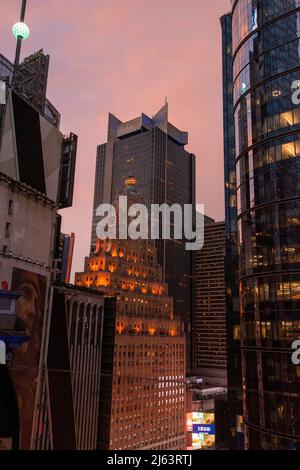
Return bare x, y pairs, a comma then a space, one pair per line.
270, 37
272, 62
248, 15
266, 112
271, 293
277, 183
273, 154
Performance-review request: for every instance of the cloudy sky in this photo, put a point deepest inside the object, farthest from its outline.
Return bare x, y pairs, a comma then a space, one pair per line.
124, 57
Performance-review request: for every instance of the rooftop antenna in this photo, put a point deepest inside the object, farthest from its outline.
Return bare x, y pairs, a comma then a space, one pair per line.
20, 31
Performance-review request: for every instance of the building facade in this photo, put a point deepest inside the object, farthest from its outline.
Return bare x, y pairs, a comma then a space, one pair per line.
233, 408
26, 247
145, 400
37, 166
65, 251
209, 332
68, 397
266, 71
153, 151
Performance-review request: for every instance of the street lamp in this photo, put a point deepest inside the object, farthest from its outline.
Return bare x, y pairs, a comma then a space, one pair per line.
20, 30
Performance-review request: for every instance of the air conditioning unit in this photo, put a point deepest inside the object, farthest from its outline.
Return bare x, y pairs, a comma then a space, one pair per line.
8, 300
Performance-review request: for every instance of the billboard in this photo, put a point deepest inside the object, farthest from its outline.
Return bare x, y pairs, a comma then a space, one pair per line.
25, 362
204, 430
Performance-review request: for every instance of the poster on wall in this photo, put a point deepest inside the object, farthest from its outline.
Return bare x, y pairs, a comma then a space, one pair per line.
25, 363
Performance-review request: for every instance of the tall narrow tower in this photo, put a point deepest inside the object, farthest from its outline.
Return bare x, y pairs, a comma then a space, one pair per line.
154, 151
266, 68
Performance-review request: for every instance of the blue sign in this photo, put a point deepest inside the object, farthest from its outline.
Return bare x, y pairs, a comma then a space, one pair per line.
204, 429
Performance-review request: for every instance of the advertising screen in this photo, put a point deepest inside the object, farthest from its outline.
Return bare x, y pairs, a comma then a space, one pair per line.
203, 430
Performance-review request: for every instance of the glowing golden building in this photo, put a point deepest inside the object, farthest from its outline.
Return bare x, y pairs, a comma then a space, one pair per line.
143, 404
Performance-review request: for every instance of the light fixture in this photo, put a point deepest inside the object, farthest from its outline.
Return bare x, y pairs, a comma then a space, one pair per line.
276, 93
20, 30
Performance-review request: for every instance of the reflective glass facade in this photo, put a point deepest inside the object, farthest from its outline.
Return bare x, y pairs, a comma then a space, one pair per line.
165, 173
266, 62
233, 438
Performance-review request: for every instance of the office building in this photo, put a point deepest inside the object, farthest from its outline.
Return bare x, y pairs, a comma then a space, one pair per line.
232, 407
153, 151
266, 70
209, 332
144, 378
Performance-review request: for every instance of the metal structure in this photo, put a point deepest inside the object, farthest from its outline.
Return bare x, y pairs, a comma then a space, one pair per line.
20, 36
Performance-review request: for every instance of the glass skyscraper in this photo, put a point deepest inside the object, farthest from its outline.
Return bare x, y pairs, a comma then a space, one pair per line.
234, 438
266, 67
153, 150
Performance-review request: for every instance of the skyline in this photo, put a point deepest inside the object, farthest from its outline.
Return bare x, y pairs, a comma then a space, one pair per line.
183, 71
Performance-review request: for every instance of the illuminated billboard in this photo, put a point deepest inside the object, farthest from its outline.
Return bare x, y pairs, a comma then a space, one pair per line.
203, 434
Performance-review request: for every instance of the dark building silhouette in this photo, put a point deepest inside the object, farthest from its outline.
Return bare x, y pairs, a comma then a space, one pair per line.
209, 332
233, 409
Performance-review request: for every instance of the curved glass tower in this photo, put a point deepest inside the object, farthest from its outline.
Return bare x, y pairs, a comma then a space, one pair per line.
266, 68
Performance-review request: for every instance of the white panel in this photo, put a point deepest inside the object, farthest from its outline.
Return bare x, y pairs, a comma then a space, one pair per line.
8, 152
52, 140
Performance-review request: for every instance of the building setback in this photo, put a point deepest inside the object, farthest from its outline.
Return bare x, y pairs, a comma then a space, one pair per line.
153, 151
144, 378
209, 332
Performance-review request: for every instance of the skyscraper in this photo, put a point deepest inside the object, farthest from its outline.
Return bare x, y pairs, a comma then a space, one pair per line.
234, 373
145, 385
209, 331
266, 63
153, 151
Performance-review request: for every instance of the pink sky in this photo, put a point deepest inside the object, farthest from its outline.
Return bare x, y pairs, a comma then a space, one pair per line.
124, 57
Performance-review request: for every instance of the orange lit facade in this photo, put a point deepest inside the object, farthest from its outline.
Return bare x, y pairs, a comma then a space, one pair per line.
147, 402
